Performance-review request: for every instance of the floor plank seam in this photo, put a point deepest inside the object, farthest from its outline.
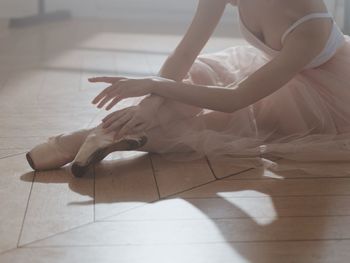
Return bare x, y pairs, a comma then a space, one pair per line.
222, 218
154, 175
265, 241
189, 189
198, 186
9, 250
286, 178
105, 219
94, 193
254, 197
125, 211
12, 155
26, 210
210, 167
56, 234
238, 173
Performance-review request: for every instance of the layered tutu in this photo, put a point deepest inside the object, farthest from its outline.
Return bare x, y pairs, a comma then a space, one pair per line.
307, 120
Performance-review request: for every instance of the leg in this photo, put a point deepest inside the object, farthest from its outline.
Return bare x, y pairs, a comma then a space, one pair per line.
161, 139
173, 113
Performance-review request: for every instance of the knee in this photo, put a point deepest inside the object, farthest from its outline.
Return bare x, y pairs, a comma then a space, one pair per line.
201, 74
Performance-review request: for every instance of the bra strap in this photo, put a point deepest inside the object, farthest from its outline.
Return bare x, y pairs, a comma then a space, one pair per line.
302, 20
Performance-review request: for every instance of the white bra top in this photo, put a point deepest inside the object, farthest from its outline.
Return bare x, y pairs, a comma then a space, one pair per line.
335, 41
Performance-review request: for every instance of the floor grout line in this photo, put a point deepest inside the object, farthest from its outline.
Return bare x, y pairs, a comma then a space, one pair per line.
94, 193
154, 175
12, 155
287, 178
266, 241
26, 210
211, 198
125, 211
252, 197
56, 234
284, 178
210, 167
217, 219
190, 189
9, 250
237, 173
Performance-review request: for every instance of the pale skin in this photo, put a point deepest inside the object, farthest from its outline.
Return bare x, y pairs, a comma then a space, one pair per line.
267, 19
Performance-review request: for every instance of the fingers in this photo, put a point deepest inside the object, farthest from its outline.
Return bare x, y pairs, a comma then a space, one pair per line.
107, 98
109, 80
102, 94
127, 126
110, 93
113, 103
106, 118
114, 125
113, 116
103, 102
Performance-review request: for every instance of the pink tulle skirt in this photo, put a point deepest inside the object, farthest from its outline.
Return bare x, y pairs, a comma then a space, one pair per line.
307, 120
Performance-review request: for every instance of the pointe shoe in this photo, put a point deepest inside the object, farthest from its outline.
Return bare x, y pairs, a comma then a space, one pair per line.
98, 145
57, 151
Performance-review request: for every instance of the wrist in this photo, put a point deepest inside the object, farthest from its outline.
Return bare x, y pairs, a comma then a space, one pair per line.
153, 100
153, 87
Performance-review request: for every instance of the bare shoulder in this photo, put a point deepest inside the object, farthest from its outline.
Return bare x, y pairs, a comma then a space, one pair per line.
315, 31
298, 8
308, 39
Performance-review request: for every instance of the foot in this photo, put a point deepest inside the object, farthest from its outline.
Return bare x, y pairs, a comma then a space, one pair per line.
57, 151
98, 145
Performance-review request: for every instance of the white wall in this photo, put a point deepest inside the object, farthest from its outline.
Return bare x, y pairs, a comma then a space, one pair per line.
136, 9
124, 9
17, 8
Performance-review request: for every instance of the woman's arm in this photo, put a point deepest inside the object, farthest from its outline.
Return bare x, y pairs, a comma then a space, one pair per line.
301, 47
177, 65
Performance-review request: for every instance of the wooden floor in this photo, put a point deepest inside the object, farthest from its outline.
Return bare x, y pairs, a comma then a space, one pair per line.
136, 207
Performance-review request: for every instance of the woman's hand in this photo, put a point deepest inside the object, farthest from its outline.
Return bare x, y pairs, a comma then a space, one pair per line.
134, 118
122, 88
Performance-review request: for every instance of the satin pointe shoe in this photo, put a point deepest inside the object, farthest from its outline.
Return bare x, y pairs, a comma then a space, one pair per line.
57, 151
98, 145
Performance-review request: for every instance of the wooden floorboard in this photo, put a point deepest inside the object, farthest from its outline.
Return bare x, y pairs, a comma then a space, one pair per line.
173, 177
333, 251
122, 184
15, 186
58, 202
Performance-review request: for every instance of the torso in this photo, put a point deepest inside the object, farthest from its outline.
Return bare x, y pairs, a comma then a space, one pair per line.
269, 19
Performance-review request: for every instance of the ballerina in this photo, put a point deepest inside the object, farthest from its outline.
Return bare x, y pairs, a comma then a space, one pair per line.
285, 95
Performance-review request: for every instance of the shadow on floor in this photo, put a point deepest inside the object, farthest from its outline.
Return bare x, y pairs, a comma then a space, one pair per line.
262, 250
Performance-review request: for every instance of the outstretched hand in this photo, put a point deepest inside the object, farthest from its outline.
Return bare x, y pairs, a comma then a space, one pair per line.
121, 88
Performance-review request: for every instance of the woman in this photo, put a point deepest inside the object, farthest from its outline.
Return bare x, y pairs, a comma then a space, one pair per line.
285, 95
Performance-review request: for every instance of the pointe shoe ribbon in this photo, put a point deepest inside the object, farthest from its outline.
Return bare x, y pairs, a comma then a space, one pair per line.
99, 144
95, 140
